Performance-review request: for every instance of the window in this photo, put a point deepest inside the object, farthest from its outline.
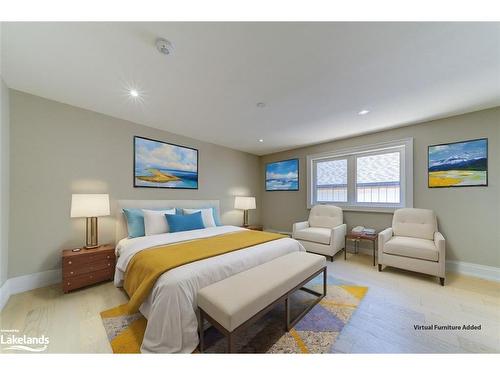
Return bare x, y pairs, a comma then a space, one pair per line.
377, 177
331, 180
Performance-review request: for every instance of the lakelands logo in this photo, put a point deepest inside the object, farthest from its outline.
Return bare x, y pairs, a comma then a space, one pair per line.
17, 342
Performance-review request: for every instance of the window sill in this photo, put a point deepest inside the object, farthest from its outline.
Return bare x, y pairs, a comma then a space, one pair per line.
382, 210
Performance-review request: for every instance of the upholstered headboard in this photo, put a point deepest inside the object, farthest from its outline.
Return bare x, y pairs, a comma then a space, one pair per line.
121, 224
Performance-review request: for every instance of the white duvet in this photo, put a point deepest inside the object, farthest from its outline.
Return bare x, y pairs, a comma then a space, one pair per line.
171, 306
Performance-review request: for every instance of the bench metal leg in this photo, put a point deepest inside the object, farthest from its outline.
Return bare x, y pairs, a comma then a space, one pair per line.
291, 324
201, 321
287, 314
230, 343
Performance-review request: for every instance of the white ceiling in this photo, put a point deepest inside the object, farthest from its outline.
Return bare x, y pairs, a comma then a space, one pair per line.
314, 77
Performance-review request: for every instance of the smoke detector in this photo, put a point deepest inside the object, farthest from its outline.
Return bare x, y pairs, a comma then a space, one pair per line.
164, 46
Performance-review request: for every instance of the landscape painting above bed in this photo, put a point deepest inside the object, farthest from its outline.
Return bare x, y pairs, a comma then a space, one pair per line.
163, 165
458, 164
283, 175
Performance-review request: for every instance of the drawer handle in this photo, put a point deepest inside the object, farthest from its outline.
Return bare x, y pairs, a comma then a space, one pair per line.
69, 283
71, 273
70, 262
109, 264
108, 257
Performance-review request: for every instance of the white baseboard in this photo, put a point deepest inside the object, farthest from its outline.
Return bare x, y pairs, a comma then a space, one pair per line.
465, 268
473, 269
27, 282
4, 294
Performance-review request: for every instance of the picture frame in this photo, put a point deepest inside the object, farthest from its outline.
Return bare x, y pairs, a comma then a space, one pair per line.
458, 164
160, 164
282, 175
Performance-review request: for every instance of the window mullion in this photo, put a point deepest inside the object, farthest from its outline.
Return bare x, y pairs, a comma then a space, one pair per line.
351, 180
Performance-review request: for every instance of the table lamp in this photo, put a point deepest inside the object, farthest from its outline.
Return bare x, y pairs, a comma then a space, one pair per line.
90, 206
245, 204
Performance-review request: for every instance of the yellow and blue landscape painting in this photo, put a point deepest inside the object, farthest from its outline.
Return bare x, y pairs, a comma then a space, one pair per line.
282, 175
164, 165
459, 164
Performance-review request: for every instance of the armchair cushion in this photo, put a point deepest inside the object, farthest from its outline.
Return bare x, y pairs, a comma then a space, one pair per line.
414, 222
410, 247
325, 216
320, 235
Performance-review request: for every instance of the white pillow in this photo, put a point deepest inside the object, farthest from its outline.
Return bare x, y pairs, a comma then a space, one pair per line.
155, 222
207, 215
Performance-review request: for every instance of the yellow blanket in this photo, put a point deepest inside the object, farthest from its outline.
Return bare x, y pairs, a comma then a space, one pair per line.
148, 265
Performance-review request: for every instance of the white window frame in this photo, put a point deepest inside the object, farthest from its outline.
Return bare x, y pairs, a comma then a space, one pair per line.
313, 168
404, 146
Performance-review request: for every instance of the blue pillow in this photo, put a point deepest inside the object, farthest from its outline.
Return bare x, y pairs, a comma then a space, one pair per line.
215, 214
180, 223
135, 222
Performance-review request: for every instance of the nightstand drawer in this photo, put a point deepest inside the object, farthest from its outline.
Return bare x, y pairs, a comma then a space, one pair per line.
70, 283
85, 259
79, 269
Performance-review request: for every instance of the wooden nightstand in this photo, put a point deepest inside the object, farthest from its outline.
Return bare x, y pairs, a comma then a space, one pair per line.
254, 227
87, 267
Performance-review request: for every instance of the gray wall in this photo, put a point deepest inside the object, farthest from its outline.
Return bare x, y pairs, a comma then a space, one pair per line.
4, 180
58, 150
469, 217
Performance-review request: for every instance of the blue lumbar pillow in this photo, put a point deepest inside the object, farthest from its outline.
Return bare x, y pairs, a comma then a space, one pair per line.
180, 223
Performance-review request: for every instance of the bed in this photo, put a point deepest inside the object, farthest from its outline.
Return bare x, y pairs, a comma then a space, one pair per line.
170, 307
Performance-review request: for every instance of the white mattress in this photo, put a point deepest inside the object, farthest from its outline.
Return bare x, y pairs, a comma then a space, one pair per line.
171, 306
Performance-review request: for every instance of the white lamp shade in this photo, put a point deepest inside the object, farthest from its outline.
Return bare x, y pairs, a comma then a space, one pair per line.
245, 203
89, 205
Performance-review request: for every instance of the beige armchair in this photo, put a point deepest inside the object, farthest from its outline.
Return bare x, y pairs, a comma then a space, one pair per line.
413, 243
324, 232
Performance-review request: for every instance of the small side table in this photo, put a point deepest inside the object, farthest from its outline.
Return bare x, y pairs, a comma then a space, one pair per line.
357, 237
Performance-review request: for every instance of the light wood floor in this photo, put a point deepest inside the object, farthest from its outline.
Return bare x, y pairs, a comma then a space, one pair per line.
383, 323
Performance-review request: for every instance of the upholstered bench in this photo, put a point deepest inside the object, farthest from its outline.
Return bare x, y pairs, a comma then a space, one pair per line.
234, 303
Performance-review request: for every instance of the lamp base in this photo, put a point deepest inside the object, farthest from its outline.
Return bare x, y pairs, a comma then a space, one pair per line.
245, 218
91, 233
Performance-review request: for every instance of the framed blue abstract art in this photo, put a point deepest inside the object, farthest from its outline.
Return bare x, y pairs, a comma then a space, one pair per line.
159, 164
283, 175
458, 164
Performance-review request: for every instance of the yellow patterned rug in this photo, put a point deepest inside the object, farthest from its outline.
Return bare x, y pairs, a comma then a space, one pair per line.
315, 333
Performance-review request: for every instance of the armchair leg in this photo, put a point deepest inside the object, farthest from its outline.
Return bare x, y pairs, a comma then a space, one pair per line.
441, 280
379, 267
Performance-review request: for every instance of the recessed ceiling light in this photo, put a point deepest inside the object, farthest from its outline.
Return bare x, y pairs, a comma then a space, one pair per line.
134, 93
261, 140
164, 46
261, 104
363, 112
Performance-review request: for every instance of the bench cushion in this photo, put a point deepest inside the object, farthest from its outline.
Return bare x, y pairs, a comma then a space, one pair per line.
234, 300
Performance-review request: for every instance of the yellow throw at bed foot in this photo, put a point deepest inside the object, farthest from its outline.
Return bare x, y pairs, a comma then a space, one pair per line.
148, 265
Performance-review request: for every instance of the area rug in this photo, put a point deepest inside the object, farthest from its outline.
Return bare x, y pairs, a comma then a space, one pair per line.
315, 333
